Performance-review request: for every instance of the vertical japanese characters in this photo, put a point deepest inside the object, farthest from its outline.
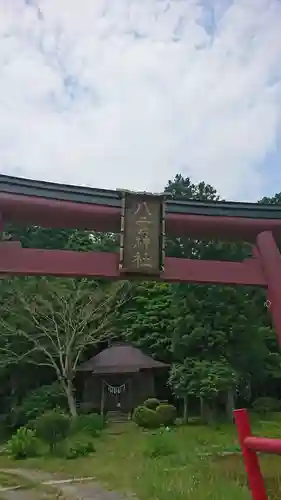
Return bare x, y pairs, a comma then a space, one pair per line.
141, 234
144, 226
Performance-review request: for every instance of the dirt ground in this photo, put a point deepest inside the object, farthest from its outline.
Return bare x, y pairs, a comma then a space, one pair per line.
36, 485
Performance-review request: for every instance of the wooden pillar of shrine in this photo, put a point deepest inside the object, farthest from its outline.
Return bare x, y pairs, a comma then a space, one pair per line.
102, 398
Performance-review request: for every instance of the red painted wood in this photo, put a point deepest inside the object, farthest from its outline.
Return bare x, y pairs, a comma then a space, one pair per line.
54, 213
229, 228
256, 255
10, 245
37, 262
211, 271
26, 261
270, 260
255, 479
265, 445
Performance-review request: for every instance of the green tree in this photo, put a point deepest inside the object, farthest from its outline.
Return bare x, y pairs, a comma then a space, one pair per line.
20, 377
214, 322
146, 319
38, 237
202, 378
50, 322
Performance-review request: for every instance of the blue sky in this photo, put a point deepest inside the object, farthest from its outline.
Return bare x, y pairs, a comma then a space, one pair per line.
126, 94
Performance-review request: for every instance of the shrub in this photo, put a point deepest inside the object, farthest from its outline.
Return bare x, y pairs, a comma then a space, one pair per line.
145, 417
78, 446
167, 414
266, 405
151, 403
31, 424
52, 427
23, 444
37, 402
91, 424
159, 445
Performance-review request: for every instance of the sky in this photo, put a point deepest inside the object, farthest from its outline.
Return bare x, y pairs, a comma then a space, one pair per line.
128, 93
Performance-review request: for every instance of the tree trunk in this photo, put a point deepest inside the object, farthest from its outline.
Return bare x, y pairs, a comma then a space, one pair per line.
185, 409
230, 405
70, 398
206, 412
202, 410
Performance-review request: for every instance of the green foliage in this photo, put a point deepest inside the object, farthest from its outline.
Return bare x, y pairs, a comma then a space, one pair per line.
146, 320
167, 414
266, 405
77, 446
202, 378
40, 400
146, 418
51, 321
91, 424
159, 445
49, 238
149, 418
23, 444
52, 427
151, 403
182, 187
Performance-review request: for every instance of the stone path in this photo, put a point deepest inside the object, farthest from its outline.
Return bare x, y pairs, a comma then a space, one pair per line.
51, 487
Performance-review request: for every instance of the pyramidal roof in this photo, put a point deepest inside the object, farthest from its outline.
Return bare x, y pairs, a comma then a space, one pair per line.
120, 358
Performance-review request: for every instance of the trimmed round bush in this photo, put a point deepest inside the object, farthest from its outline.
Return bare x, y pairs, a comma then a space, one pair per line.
266, 405
52, 427
146, 418
151, 403
167, 414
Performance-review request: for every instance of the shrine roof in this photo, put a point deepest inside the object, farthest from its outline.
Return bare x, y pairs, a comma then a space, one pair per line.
120, 358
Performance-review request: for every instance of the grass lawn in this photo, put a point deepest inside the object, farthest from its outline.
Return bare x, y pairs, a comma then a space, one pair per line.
175, 465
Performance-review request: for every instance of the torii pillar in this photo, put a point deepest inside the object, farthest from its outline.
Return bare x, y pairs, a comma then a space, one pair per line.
270, 259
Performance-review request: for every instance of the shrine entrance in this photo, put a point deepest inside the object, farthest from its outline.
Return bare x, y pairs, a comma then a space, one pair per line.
117, 397
119, 378
143, 220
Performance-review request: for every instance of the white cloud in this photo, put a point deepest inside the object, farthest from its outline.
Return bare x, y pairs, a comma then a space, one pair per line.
128, 93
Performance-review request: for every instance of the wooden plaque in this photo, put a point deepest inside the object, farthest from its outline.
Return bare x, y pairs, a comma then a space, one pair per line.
142, 234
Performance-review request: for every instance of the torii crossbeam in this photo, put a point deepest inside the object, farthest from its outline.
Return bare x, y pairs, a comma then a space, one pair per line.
54, 205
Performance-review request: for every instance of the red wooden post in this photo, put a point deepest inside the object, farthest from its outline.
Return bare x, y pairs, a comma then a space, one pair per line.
270, 260
256, 255
266, 445
255, 479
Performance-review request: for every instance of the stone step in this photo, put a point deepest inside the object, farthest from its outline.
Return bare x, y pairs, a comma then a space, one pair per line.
117, 416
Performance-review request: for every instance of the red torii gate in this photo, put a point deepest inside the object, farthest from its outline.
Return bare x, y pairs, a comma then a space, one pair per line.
54, 205
250, 446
